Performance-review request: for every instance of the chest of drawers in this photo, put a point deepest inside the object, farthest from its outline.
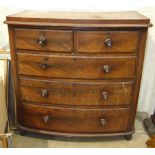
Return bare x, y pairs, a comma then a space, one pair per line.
77, 74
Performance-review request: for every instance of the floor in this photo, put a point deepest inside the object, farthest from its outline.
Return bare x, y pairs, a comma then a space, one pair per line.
42, 141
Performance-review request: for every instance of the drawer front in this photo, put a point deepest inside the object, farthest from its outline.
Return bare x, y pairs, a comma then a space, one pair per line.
46, 40
107, 41
74, 120
84, 93
76, 67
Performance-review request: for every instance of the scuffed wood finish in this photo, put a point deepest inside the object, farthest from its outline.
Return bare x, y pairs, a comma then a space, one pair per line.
86, 67
65, 92
74, 120
77, 74
95, 41
55, 40
79, 19
139, 68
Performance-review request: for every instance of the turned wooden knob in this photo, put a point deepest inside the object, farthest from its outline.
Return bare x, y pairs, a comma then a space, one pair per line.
106, 68
103, 121
105, 95
43, 66
41, 41
44, 92
46, 119
108, 43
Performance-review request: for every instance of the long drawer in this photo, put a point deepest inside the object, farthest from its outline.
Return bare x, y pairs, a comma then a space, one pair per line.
44, 40
69, 92
87, 67
74, 120
107, 41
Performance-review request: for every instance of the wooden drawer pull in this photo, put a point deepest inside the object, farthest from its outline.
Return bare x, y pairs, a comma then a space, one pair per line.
103, 121
44, 66
105, 95
41, 41
44, 92
108, 43
106, 68
46, 119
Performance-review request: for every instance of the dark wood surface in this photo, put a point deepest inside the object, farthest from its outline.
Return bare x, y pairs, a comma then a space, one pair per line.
66, 92
79, 19
95, 41
94, 67
72, 75
74, 120
55, 40
11, 99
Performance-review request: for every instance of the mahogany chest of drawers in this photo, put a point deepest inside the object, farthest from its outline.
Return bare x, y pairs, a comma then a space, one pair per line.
77, 74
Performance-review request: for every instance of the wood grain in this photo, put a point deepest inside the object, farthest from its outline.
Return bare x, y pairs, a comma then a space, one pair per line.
56, 40
67, 80
64, 92
94, 41
130, 19
85, 67
75, 120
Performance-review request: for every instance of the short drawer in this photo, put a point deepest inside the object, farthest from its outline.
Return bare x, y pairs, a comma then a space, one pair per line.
69, 92
44, 40
107, 41
74, 120
59, 66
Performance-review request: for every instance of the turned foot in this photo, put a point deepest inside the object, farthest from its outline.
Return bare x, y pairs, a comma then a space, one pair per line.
128, 137
22, 132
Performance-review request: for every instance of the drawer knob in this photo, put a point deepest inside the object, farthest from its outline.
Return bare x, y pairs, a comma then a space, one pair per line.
46, 119
44, 92
106, 68
103, 121
105, 95
108, 43
44, 66
41, 41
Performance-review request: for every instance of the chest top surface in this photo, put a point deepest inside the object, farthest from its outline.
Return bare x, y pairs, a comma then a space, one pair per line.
126, 19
